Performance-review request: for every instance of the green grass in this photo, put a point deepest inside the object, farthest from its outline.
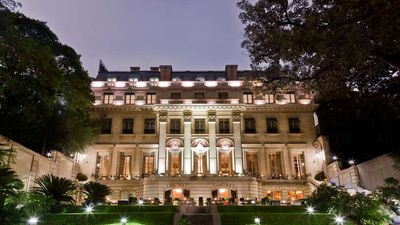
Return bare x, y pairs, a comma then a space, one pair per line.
259, 208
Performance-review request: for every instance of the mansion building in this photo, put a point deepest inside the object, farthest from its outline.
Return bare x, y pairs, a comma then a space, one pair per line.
201, 135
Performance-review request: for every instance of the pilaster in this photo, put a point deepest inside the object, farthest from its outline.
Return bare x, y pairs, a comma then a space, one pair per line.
238, 154
114, 163
162, 142
212, 142
187, 152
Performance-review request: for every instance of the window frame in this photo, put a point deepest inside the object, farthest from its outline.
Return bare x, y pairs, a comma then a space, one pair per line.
151, 98
248, 97
174, 130
273, 129
198, 130
152, 129
249, 130
129, 98
294, 125
224, 130
108, 98
127, 130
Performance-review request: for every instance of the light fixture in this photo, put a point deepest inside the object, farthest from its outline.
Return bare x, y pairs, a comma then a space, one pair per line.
140, 202
33, 220
89, 209
310, 210
334, 158
124, 221
257, 221
48, 154
339, 219
253, 202
351, 162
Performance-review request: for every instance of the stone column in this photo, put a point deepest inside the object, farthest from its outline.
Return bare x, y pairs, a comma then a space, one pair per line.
187, 152
261, 161
238, 154
162, 142
212, 142
114, 163
286, 161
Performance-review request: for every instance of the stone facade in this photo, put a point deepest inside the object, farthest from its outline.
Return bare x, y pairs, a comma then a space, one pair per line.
193, 134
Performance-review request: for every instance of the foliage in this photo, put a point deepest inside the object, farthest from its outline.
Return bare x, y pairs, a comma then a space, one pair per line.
390, 190
369, 210
126, 209
44, 91
57, 188
96, 192
30, 203
132, 200
9, 186
7, 155
348, 51
320, 176
81, 177
184, 221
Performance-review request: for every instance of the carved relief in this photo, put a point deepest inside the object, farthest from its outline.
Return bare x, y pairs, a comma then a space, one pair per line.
236, 116
187, 116
163, 116
212, 116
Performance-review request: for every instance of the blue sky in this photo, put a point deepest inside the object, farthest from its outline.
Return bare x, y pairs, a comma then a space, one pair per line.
188, 34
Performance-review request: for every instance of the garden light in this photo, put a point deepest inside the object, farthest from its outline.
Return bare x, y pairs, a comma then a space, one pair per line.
310, 210
351, 162
140, 202
339, 219
257, 220
334, 158
89, 209
124, 221
33, 221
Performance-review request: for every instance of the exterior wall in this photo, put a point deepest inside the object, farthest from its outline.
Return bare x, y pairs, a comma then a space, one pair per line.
30, 165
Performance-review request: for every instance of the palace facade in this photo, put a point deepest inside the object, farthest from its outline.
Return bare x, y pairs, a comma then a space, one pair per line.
201, 135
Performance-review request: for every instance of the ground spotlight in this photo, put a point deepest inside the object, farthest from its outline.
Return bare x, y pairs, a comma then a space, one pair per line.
140, 202
124, 221
310, 210
33, 220
334, 158
351, 162
339, 219
257, 220
89, 209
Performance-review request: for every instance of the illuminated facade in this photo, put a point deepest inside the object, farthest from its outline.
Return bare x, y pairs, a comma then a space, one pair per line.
201, 134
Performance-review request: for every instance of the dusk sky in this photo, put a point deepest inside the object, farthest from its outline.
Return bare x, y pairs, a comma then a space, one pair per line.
188, 34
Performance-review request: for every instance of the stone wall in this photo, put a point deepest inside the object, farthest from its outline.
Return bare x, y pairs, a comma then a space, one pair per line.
30, 165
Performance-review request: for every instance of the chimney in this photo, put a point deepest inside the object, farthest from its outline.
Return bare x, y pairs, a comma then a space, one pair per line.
135, 69
165, 72
231, 72
154, 69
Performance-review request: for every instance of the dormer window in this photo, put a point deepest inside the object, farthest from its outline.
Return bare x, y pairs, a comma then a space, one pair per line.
133, 79
221, 79
108, 98
290, 97
248, 98
154, 79
201, 79
111, 78
176, 79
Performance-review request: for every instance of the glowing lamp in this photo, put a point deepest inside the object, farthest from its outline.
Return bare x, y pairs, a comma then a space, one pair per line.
140, 202
124, 220
164, 84
211, 83
97, 84
187, 83
339, 219
141, 84
351, 162
89, 209
334, 158
310, 210
33, 221
235, 83
257, 221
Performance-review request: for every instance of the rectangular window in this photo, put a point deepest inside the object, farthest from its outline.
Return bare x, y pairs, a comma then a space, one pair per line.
108, 98
250, 125
222, 95
269, 98
199, 95
149, 126
129, 98
148, 164
199, 126
106, 126
111, 79
154, 79
223, 126
294, 125
290, 97
248, 98
272, 125
127, 126
275, 165
151, 98
176, 95
299, 166
175, 126
252, 165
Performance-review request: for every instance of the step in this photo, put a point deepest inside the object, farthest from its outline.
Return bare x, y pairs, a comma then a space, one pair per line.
199, 219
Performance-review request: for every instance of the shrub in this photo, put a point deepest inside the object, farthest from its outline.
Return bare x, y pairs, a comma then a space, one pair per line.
96, 192
57, 188
81, 177
320, 176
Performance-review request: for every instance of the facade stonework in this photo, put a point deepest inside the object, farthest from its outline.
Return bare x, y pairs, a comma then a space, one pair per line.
201, 134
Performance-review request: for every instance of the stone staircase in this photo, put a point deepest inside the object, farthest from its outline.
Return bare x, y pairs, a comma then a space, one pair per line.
199, 215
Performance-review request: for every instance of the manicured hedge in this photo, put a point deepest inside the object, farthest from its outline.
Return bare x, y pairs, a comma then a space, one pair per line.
263, 209
142, 218
119, 208
277, 219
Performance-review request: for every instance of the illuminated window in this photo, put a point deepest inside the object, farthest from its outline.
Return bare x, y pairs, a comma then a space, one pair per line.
277, 195
223, 126
294, 125
176, 95
106, 126
133, 79
149, 126
111, 79
299, 165
176, 79
202, 79
290, 97
151, 98
272, 125
252, 165
248, 98
199, 126
275, 165
250, 125
154, 79
291, 195
269, 98
129, 98
299, 195
175, 126
127, 126
108, 98
148, 164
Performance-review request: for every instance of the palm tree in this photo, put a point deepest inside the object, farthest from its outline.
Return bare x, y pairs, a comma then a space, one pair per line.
57, 188
96, 192
9, 182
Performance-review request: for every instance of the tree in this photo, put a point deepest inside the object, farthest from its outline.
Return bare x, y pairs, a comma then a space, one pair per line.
57, 188
44, 91
96, 192
348, 51
9, 186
